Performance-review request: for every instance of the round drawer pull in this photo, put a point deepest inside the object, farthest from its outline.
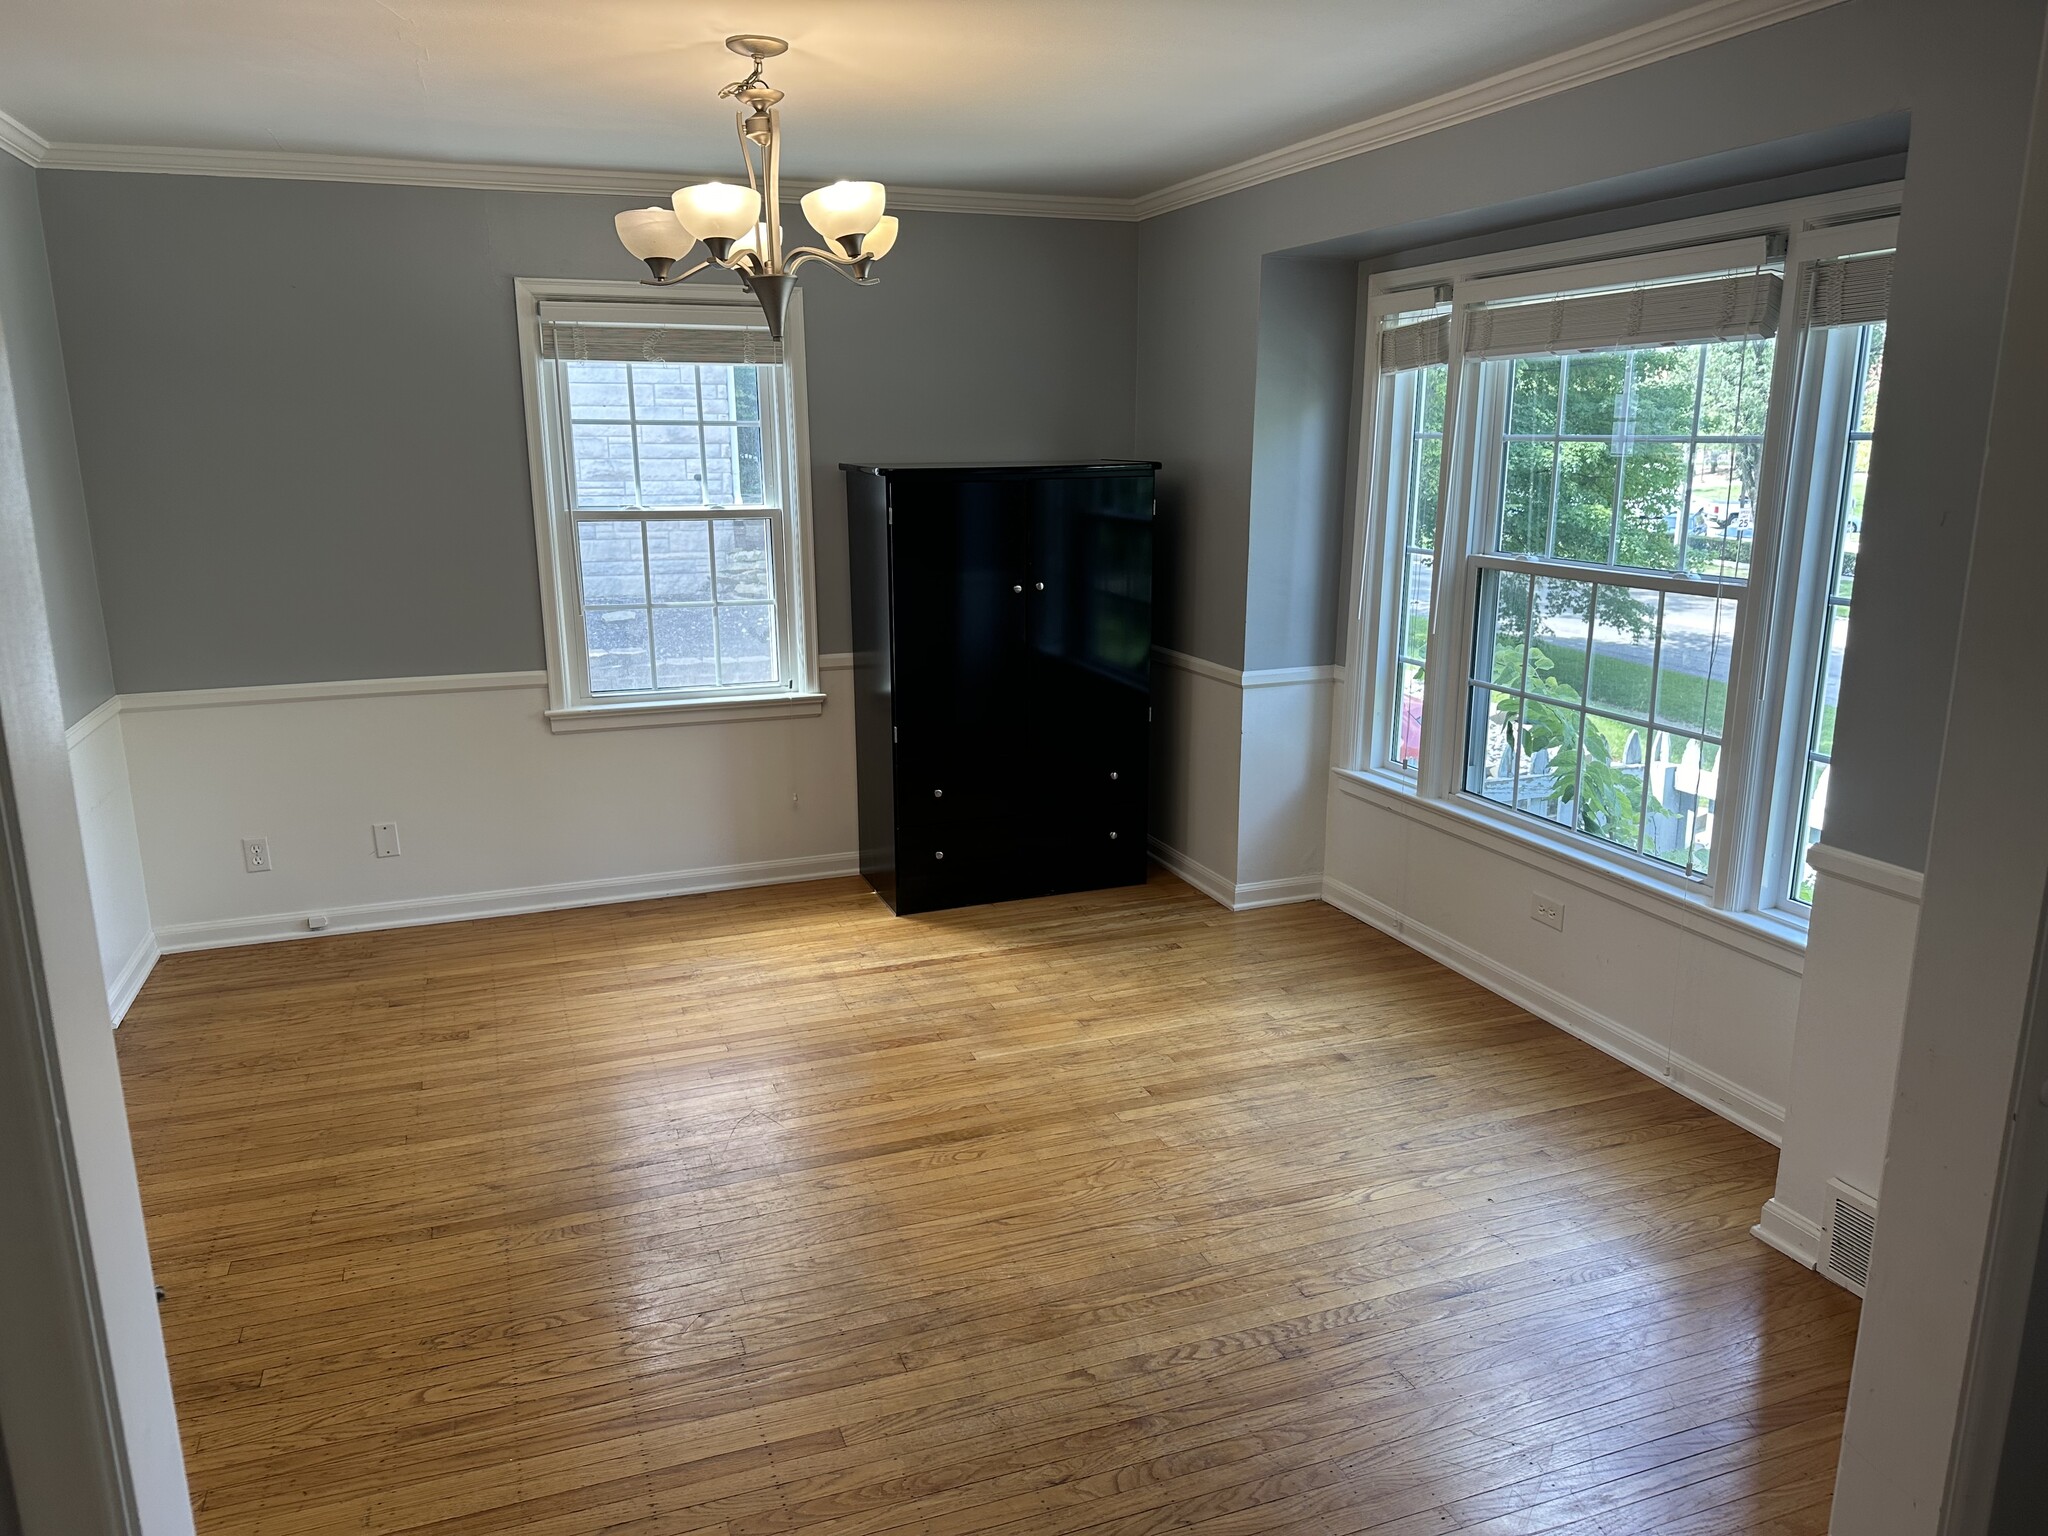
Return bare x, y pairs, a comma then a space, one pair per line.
1019, 587
938, 794
940, 854
1039, 585
1112, 775
1112, 837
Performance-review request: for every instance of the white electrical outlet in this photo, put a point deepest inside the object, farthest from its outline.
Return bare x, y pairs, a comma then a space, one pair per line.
256, 855
384, 835
1547, 910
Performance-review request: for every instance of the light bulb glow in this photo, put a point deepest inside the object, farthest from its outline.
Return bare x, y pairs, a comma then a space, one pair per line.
716, 210
653, 234
755, 240
845, 208
881, 239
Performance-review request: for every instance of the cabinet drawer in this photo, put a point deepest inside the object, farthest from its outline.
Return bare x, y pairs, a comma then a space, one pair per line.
963, 863
943, 792
1093, 851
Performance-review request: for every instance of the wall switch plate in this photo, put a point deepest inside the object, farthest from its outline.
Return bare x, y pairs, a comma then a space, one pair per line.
385, 835
1547, 910
256, 855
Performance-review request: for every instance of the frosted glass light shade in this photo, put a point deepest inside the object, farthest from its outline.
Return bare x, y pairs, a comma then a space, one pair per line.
653, 234
715, 210
881, 239
845, 208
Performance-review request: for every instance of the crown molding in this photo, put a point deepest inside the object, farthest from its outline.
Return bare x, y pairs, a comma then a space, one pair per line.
1700, 27
476, 175
22, 141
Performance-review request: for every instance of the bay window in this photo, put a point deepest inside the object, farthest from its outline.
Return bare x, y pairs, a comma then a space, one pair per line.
1597, 613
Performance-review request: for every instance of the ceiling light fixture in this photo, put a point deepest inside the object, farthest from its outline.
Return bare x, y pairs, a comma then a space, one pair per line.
728, 219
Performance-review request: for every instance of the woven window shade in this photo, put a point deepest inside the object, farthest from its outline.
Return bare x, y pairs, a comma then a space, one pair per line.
1669, 314
643, 333
1418, 344
1857, 291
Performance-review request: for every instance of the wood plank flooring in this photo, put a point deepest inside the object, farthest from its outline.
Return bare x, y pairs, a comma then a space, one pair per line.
770, 1212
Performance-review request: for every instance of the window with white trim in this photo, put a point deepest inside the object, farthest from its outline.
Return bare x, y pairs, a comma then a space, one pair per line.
667, 470
1415, 436
1589, 620
1847, 303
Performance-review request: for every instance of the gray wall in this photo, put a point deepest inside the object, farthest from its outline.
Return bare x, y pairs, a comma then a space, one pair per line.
1964, 72
1303, 432
301, 422
28, 346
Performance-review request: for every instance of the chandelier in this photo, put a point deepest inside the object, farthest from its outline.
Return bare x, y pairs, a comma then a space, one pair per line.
727, 219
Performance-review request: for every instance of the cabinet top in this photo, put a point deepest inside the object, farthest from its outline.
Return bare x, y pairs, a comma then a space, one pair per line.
1019, 469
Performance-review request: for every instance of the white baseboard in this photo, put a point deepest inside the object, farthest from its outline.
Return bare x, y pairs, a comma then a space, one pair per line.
1204, 879
1227, 893
1277, 893
128, 982
1703, 1086
1784, 1229
274, 927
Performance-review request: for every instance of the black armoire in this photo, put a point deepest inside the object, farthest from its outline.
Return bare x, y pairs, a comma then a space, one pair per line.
1002, 633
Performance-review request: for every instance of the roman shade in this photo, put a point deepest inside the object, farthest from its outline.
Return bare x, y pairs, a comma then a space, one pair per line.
1417, 344
656, 333
1855, 291
1658, 315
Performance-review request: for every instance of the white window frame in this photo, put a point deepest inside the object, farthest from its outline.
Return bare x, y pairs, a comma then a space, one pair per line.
1736, 900
571, 705
1814, 473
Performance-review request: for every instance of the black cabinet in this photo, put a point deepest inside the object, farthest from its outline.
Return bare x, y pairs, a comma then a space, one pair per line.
1002, 633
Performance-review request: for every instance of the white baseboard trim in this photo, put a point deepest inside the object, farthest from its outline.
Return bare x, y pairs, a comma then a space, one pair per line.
1703, 1086
1784, 1229
1204, 879
1278, 893
274, 927
1227, 893
121, 992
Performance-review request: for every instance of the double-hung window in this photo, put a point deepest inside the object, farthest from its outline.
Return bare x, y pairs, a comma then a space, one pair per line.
667, 463
1847, 299
1413, 354
1599, 614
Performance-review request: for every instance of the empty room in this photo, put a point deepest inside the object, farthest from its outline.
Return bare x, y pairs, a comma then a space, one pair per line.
934, 768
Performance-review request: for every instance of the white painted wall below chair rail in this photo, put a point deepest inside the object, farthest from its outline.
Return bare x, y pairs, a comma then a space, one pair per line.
1669, 990
1240, 765
495, 812
1845, 1057
113, 853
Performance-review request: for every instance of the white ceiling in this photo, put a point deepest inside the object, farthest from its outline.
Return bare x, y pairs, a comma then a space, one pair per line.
1108, 97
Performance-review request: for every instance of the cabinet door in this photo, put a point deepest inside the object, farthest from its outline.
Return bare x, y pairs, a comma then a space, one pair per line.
1088, 675
957, 597
957, 574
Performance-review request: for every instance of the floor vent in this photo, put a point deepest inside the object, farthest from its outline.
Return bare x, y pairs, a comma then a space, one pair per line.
1852, 1223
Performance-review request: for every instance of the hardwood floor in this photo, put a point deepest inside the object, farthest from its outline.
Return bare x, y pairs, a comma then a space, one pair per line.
768, 1212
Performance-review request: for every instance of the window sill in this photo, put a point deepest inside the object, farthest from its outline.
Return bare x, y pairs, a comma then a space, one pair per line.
713, 711
1777, 939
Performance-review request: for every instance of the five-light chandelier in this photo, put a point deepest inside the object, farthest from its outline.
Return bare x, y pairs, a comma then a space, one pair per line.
728, 220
